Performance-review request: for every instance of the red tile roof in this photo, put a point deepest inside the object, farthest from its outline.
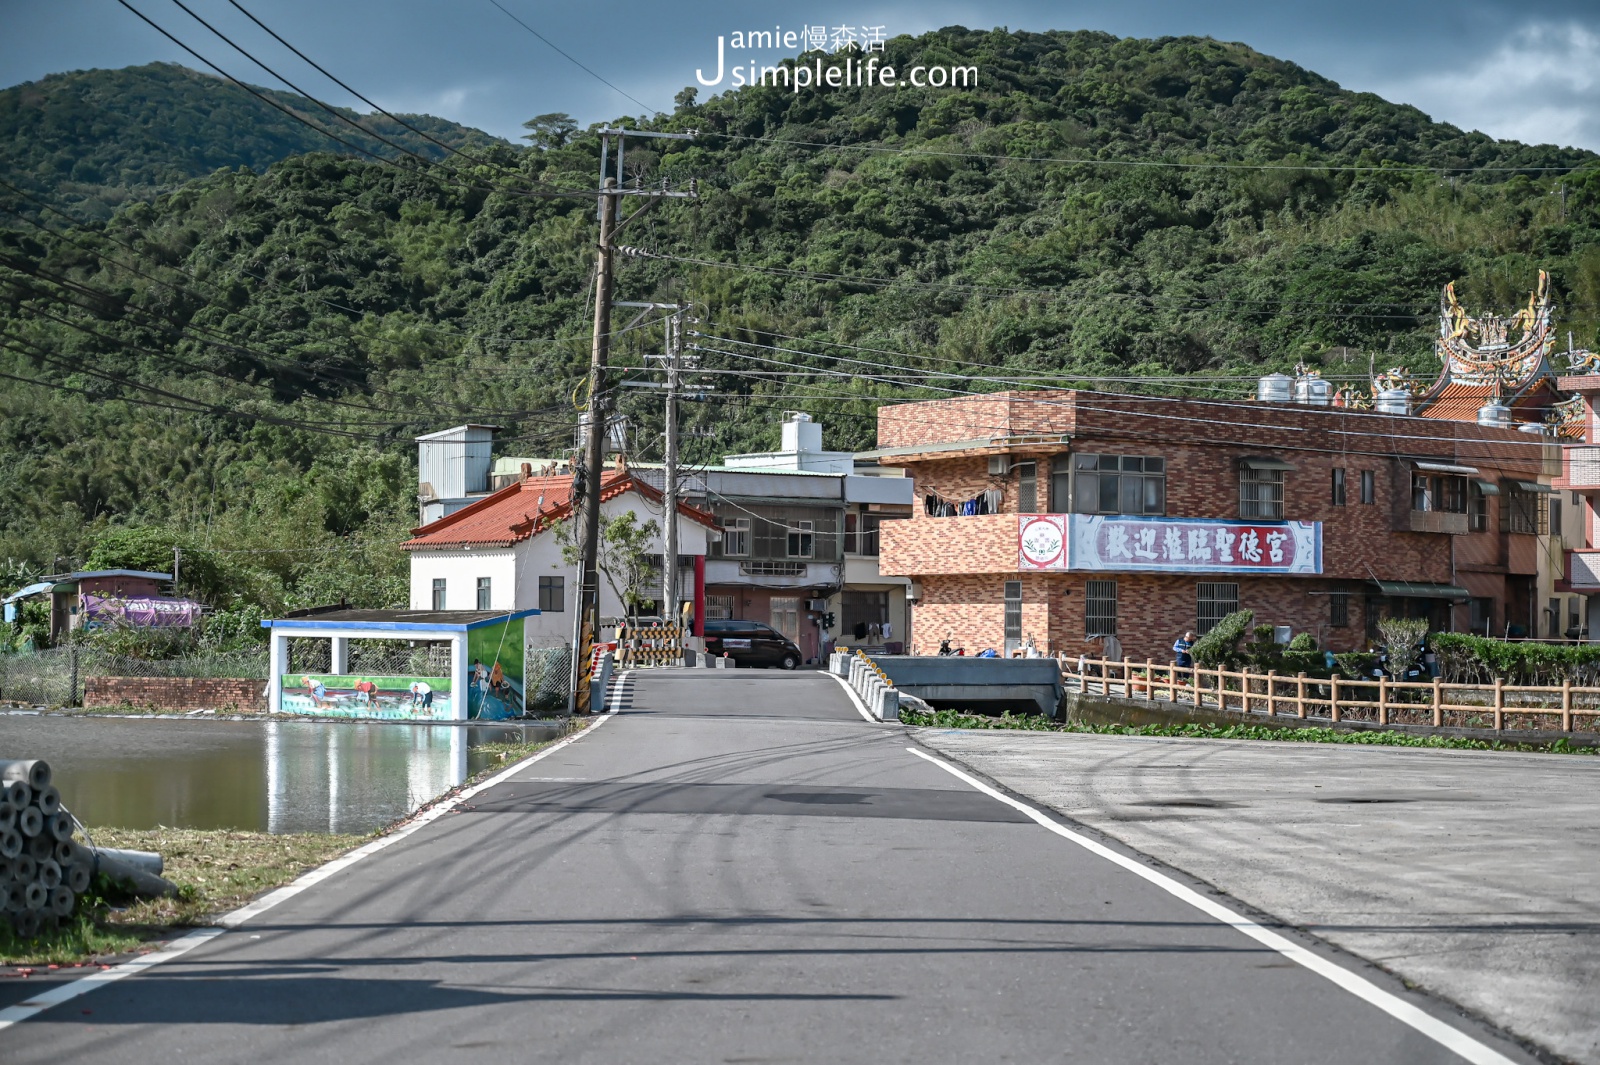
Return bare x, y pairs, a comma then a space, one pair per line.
526, 509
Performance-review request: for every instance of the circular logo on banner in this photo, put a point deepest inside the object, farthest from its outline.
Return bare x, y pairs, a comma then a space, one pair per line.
1041, 543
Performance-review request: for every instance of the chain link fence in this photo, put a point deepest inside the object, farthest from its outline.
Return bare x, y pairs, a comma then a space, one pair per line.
548, 680
56, 677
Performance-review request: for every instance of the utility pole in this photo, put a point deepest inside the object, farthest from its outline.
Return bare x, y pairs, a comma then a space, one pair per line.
588, 604
587, 619
177, 559
669, 508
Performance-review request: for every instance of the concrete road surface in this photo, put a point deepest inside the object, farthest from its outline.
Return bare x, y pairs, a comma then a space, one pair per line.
738, 868
1472, 873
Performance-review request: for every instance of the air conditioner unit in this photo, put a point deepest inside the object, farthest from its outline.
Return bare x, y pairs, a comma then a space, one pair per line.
999, 465
816, 606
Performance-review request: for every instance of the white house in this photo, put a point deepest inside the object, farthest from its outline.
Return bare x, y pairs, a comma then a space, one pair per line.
502, 552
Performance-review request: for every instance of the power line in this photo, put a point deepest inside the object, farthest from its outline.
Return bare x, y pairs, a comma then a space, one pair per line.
570, 59
476, 160
1396, 167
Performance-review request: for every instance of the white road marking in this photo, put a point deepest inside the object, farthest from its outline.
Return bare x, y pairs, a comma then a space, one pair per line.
84, 984
1451, 1038
855, 700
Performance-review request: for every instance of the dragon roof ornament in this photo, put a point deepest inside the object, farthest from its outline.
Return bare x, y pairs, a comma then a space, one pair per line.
1490, 349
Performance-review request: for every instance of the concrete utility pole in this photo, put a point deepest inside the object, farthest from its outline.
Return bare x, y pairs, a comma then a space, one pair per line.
587, 619
669, 508
593, 452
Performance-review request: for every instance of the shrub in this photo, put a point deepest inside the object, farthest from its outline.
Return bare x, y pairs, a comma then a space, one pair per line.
1220, 646
1467, 659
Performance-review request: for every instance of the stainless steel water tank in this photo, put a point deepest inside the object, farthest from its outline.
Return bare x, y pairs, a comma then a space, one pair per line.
1313, 391
1275, 388
1393, 401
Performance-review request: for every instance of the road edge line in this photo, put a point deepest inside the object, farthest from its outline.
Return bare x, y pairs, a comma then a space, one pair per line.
66, 992
855, 700
1448, 1036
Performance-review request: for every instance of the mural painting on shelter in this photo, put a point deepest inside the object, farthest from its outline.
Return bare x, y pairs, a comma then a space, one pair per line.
495, 671
347, 695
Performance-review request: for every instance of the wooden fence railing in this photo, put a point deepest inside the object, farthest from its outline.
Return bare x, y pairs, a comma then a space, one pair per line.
1376, 700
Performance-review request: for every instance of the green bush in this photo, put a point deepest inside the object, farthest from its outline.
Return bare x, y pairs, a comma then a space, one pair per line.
1467, 659
1220, 646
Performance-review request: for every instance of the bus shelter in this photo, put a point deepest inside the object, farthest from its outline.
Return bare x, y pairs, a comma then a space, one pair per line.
399, 665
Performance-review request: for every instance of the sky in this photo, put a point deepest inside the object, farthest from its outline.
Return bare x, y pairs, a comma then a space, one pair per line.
1515, 71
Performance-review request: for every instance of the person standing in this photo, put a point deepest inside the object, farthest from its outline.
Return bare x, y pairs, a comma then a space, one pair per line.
1180, 650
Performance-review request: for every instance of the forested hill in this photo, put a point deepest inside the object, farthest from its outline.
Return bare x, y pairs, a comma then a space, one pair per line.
1095, 209
97, 139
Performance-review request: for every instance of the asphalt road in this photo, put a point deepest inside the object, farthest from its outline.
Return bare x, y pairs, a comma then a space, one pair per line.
737, 868
1469, 873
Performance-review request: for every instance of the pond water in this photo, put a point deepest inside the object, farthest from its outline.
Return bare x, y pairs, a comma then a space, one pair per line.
272, 776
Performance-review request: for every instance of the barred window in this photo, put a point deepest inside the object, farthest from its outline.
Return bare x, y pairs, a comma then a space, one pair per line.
1439, 493
1027, 488
1013, 610
1260, 493
1215, 601
1477, 508
1522, 511
719, 608
1339, 610
1100, 608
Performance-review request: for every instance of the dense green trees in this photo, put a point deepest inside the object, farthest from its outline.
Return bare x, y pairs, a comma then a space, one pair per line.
1095, 208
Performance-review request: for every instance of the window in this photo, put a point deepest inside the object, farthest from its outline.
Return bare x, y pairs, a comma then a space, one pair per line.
1577, 499
1027, 488
1013, 610
1119, 484
1215, 601
483, 594
1477, 508
1061, 484
1260, 493
1574, 622
719, 607
1369, 487
802, 540
1433, 492
1338, 487
1555, 516
1339, 610
1100, 608
1521, 510
552, 594
438, 593
735, 537
861, 534
1552, 616
1482, 616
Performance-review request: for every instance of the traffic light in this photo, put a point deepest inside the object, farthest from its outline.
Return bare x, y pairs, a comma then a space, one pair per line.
827, 620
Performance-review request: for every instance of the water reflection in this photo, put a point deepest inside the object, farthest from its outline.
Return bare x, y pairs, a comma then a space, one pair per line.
277, 776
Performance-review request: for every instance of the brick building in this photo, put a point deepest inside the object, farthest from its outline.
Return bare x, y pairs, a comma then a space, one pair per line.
1061, 515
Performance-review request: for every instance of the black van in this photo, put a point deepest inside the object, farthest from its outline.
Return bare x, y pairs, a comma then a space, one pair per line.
750, 643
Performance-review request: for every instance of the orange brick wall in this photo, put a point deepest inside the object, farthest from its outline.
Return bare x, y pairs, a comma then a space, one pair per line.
963, 562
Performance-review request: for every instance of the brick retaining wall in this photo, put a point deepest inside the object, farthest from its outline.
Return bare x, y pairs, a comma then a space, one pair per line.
176, 693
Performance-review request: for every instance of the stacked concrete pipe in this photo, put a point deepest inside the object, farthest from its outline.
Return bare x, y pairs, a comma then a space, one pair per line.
43, 868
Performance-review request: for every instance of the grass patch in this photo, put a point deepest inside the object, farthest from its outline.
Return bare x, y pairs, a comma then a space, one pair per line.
216, 870
1193, 730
